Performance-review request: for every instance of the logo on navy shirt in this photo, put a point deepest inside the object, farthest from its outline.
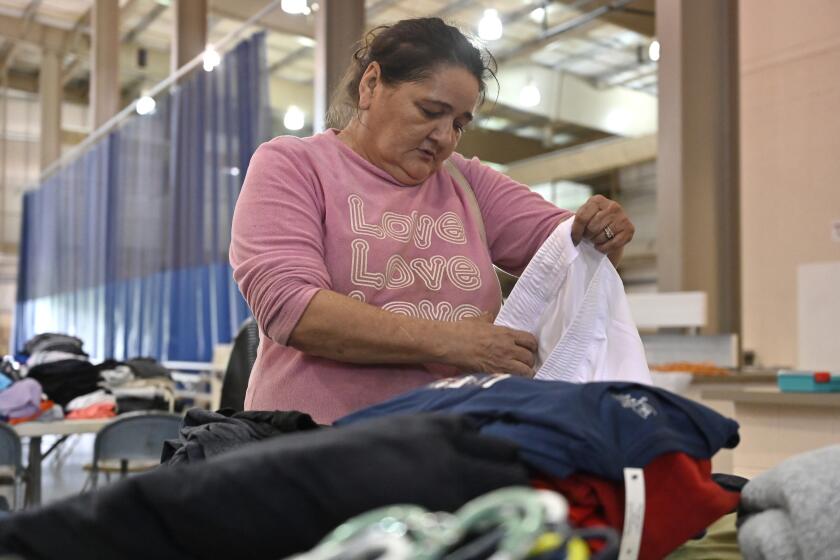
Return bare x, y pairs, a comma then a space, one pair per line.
640, 405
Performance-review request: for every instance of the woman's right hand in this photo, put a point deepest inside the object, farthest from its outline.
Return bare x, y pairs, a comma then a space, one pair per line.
479, 346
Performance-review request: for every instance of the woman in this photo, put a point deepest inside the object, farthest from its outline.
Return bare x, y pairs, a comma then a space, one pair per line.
358, 253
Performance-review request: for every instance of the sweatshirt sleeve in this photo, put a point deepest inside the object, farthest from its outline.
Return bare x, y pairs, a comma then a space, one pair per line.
517, 220
277, 238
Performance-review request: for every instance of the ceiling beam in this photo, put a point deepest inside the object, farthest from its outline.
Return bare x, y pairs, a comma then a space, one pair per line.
130, 35
584, 160
28, 82
277, 20
498, 146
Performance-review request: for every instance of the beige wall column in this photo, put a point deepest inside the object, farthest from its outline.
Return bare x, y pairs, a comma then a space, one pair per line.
105, 59
49, 90
190, 33
697, 165
790, 191
338, 25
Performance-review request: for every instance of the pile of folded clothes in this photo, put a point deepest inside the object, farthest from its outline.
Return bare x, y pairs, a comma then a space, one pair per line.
268, 485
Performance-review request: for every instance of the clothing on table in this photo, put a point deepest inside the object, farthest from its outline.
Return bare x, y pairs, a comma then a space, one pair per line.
681, 500
134, 404
206, 434
45, 407
572, 300
48, 356
272, 498
350, 227
96, 410
96, 397
53, 342
144, 368
114, 374
150, 390
65, 380
52, 413
562, 428
792, 510
21, 400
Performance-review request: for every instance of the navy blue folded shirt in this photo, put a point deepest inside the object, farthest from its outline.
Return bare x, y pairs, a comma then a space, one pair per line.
562, 428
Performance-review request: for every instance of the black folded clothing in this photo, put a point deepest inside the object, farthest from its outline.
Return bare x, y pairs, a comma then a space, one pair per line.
145, 368
272, 498
64, 380
133, 404
205, 434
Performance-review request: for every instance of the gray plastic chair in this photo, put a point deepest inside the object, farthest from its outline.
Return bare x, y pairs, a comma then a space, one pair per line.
131, 437
11, 455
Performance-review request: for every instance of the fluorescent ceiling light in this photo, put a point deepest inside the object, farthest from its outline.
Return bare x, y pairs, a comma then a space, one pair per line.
490, 26
653, 51
294, 6
530, 96
145, 105
294, 118
211, 58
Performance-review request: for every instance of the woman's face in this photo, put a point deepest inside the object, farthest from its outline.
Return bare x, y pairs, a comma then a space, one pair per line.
411, 128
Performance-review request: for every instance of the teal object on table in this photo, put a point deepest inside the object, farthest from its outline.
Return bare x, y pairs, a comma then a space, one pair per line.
797, 381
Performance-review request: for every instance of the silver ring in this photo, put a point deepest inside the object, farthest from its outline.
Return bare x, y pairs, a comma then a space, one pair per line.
609, 233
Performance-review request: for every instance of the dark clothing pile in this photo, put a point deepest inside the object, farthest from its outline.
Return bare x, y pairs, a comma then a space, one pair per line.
206, 434
274, 498
65, 380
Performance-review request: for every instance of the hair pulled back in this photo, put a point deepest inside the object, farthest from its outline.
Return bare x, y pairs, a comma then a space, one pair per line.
408, 51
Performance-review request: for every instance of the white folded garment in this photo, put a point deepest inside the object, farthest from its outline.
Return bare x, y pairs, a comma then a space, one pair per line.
572, 299
90, 399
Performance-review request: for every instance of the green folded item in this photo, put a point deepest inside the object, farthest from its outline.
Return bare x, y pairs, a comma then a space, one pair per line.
719, 543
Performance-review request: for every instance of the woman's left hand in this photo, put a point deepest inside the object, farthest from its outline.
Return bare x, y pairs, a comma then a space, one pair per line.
604, 222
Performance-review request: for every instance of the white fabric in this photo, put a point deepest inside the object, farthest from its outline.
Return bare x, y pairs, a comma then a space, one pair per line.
572, 299
50, 356
90, 399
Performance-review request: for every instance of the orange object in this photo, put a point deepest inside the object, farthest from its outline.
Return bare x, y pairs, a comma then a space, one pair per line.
697, 368
101, 410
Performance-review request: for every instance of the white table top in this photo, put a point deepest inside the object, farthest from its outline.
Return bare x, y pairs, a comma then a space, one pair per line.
61, 427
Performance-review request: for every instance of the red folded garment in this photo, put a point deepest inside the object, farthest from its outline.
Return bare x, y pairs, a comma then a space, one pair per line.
681, 500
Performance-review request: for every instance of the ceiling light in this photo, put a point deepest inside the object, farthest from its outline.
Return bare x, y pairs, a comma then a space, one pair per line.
145, 105
294, 118
617, 121
294, 6
306, 42
211, 58
653, 50
537, 15
530, 96
490, 26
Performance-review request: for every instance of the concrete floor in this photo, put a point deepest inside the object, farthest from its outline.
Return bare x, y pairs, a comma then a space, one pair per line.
62, 472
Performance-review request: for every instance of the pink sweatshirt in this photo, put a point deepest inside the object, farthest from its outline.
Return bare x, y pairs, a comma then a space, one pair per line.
315, 215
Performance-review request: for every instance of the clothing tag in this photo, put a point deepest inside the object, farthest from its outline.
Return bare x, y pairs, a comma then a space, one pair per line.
634, 513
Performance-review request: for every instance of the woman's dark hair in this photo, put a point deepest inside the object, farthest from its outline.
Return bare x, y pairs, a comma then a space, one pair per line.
408, 51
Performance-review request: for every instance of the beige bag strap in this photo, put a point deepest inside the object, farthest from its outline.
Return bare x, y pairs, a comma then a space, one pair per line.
505, 280
472, 202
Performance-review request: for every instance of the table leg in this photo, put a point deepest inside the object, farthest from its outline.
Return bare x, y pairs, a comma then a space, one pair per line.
33, 472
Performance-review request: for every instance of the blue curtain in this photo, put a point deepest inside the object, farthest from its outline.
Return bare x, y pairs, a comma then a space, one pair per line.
126, 247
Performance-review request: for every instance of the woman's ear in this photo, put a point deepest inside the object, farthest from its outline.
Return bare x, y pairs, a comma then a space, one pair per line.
367, 85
